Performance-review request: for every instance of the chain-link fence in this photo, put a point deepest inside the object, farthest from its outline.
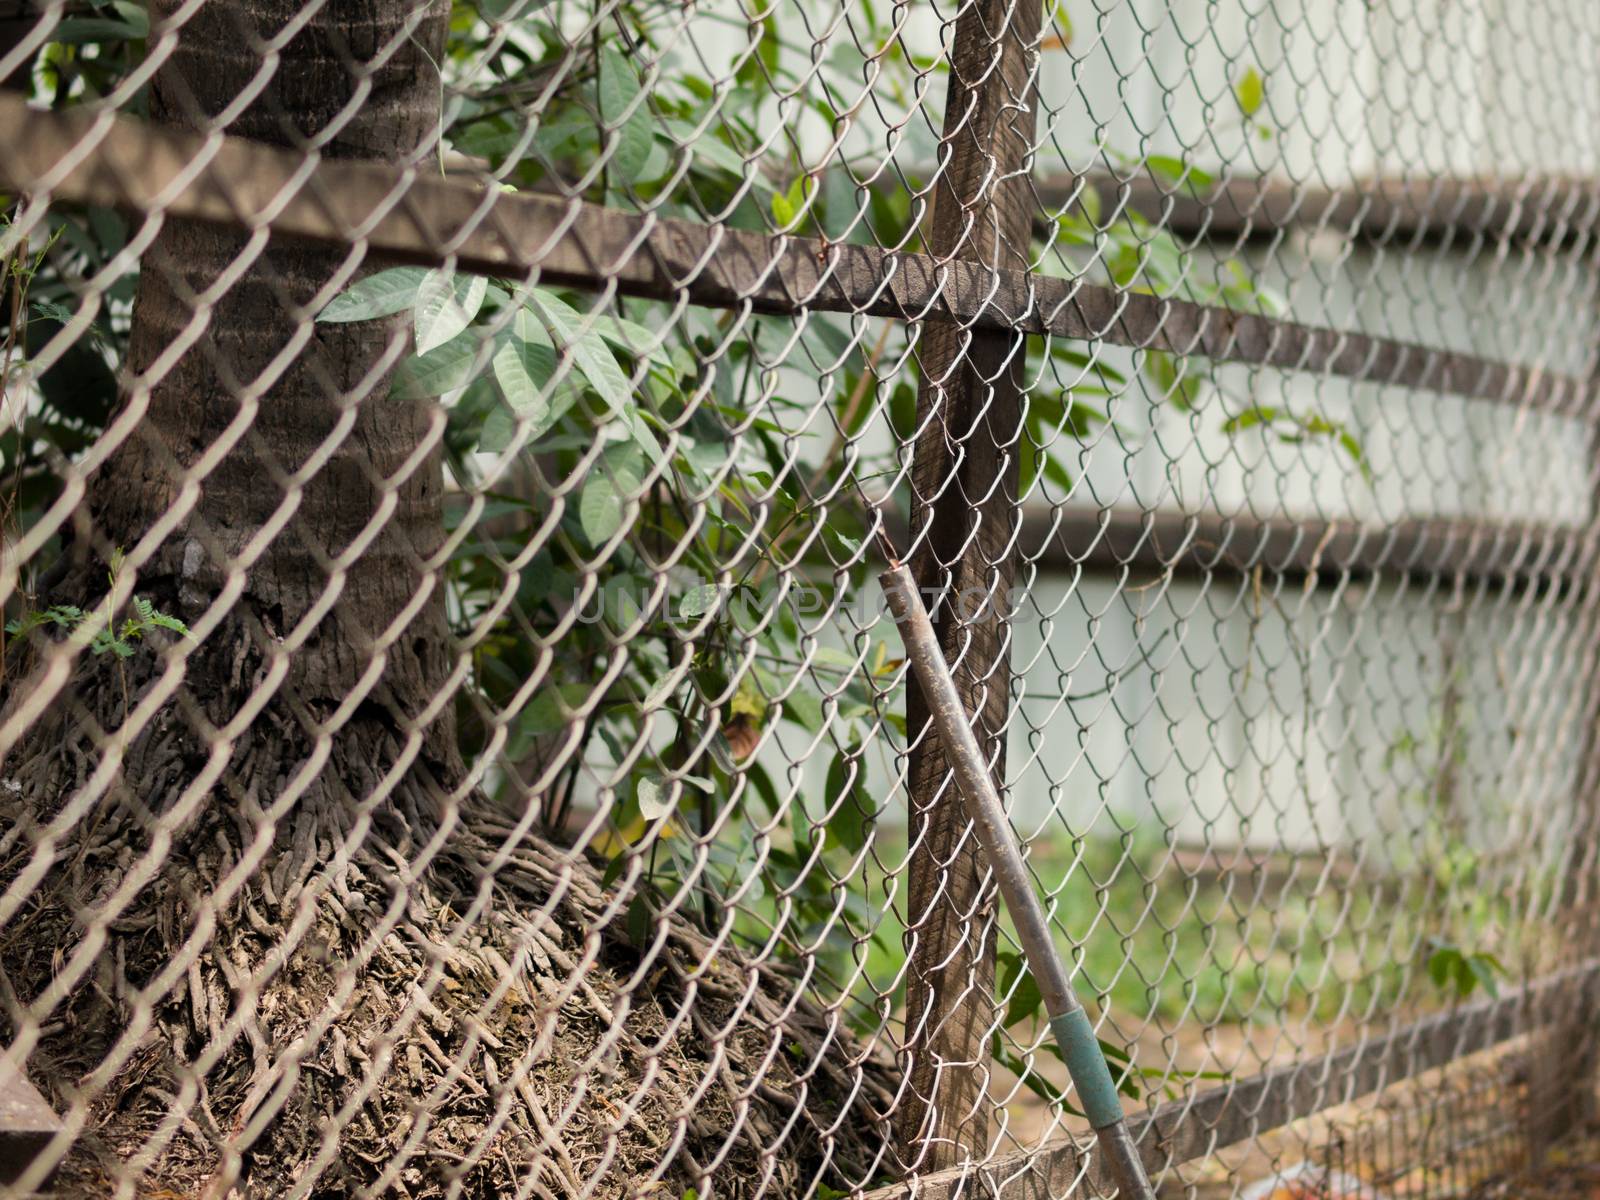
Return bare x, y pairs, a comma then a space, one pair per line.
454, 743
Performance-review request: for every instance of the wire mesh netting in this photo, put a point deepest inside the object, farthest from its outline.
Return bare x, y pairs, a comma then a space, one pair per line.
454, 743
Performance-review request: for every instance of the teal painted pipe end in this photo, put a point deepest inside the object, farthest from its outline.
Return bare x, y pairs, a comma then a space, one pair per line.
1080, 1050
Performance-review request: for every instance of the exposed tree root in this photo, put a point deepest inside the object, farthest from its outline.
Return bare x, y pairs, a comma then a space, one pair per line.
283, 1003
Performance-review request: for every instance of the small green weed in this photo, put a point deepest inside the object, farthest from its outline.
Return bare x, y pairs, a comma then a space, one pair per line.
108, 637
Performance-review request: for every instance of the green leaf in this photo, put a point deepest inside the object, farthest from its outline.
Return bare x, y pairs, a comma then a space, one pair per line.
446, 305
523, 368
903, 410
494, 138
846, 547
1035, 1082
1251, 417
1124, 264
1026, 999
507, 10
135, 14
160, 620
589, 351
551, 709
655, 798
708, 150
832, 659
1066, 351
722, 753
1127, 1080
841, 204
1173, 379
78, 31
600, 508
1075, 230
1114, 1053
641, 919
766, 791
1250, 91
614, 870
803, 709
378, 295
788, 207
632, 338
699, 601
635, 131
63, 615
52, 311
1080, 420
1442, 964
498, 430
661, 692
644, 439
1178, 171
1483, 968
848, 824
441, 370
1008, 963
613, 482
1352, 446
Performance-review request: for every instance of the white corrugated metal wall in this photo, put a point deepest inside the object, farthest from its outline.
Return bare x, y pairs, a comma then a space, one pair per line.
1265, 712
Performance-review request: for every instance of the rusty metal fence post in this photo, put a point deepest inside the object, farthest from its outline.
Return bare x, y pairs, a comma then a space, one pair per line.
963, 522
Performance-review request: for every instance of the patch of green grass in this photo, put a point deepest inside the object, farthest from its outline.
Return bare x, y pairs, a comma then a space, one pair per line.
1257, 942
1252, 943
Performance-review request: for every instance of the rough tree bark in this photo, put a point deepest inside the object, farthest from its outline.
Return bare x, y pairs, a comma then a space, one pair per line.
264, 469
314, 398
253, 932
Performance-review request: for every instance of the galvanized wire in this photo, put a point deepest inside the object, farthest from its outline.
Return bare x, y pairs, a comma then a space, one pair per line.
453, 743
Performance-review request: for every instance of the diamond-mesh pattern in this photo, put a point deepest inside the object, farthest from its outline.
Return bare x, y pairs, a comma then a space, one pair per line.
453, 741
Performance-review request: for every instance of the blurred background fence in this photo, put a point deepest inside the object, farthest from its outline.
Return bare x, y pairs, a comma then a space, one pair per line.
454, 745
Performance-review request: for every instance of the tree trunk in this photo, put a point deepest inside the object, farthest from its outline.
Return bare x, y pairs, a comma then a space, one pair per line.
287, 425
267, 490
264, 484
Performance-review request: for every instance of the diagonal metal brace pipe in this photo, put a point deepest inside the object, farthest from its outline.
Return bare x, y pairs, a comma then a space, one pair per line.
1080, 1049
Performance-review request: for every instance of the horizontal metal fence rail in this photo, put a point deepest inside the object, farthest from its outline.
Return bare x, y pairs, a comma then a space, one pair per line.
1201, 544
1181, 1131
1432, 212
406, 216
